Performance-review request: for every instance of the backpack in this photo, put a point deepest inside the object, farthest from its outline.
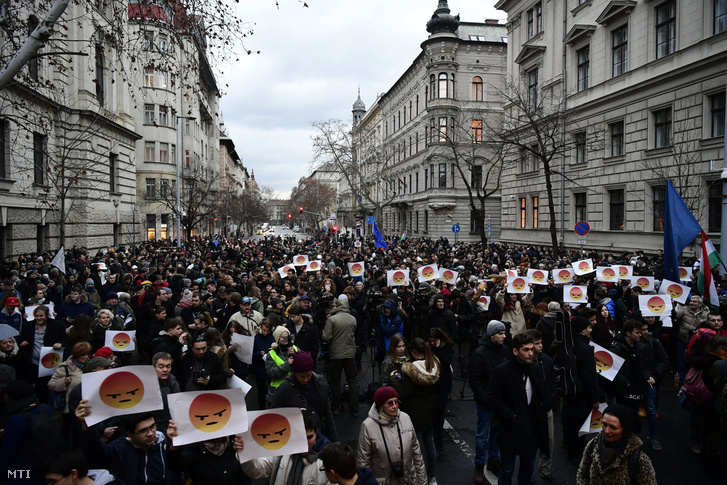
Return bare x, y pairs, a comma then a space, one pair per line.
695, 388
46, 434
564, 360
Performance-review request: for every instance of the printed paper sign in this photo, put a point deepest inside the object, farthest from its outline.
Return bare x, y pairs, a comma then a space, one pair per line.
122, 341
512, 272
273, 432
283, 272
538, 276
314, 265
685, 273
117, 392
606, 273
483, 302
575, 294
666, 321
517, 285
655, 305
428, 273
30, 309
646, 283
563, 275
300, 260
357, 244
607, 363
243, 346
49, 361
594, 422
625, 272
356, 269
583, 267
397, 277
448, 275
205, 415
678, 293
234, 382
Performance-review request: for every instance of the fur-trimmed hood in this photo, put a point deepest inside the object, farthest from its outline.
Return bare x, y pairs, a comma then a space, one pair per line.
82, 301
417, 372
13, 353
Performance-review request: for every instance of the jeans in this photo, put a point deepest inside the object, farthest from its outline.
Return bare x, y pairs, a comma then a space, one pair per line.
527, 467
483, 451
545, 461
426, 441
650, 407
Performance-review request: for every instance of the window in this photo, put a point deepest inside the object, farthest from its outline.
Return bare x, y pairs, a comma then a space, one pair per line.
476, 177
617, 139
410, 110
151, 225
149, 77
581, 210
431, 175
720, 16
99, 74
186, 126
443, 85
523, 214
476, 131
432, 86
524, 165
416, 178
532, 88
442, 129
4, 148
148, 41
442, 175
619, 50
580, 141
148, 114
417, 105
410, 185
666, 24
616, 209
113, 172
33, 62
149, 150
163, 115
163, 188
658, 200
426, 220
186, 158
40, 144
477, 221
477, 94
715, 206
162, 44
583, 67
417, 226
164, 152
534, 202
662, 128
151, 190
416, 140
538, 18
426, 178
451, 86
535, 159
717, 102
530, 23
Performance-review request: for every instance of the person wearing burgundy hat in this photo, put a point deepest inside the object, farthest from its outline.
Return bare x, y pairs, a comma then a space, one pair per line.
387, 443
10, 314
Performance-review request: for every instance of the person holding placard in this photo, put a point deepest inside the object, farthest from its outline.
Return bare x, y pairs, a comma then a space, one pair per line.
43, 331
279, 360
68, 374
634, 375
512, 309
658, 362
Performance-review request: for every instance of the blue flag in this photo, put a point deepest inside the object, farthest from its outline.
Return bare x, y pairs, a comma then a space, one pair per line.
380, 243
680, 229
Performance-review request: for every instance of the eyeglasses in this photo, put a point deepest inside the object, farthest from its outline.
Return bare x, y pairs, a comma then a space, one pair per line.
150, 429
324, 469
53, 481
394, 403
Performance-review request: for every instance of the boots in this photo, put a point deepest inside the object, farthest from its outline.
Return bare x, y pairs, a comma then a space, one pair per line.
479, 473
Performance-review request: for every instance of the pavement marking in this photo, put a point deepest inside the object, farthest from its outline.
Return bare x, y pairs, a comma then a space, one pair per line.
491, 477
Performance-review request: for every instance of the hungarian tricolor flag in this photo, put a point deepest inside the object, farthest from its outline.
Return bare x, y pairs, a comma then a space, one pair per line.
710, 259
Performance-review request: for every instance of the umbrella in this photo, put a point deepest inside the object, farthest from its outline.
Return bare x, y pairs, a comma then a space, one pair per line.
6, 331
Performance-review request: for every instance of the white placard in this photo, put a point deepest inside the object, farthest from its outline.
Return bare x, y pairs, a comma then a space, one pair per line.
575, 294
313, 266
583, 267
512, 272
356, 268
428, 273
122, 341
538, 276
30, 309
679, 293
607, 273
563, 275
685, 273
243, 344
517, 284
646, 283
234, 382
594, 422
607, 363
273, 432
449, 276
625, 271
283, 271
300, 260
397, 277
655, 305
205, 415
483, 302
49, 361
117, 392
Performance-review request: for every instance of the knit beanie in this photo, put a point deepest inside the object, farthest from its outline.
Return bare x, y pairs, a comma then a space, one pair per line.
383, 394
280, 330
494, 327
302, 362
579, 324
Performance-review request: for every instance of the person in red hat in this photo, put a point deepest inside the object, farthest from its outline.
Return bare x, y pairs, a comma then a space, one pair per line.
10, 314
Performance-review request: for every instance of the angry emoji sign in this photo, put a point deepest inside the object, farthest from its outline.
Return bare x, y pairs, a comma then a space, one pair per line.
356, 269
428, 272
271, 431
576, 293
121, 340
210, 412
447, 276
121, 390
50, 360
604, 360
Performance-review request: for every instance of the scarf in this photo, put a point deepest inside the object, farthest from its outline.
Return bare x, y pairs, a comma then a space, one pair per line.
217, 446
385, 416
521, 367
608, 451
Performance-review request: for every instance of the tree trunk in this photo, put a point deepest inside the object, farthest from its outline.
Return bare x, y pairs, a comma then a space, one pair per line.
551, 209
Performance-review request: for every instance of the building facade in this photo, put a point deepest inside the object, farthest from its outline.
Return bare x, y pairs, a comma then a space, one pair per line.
643, 88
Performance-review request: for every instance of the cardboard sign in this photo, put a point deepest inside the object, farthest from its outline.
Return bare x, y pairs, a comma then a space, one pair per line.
685, 273
205, 415
30, 309
483, 302
49, 361
538, 276
607, 363
625, 272
518, 284
397, 277
607, 273
646, 283
273, 432
563, 275
300, 260
117, 392
583, 267
243, 347
356, 269
448, 275
655, 305
428, 273
594, 421
575, 294
283, 271
678, 293
122, 341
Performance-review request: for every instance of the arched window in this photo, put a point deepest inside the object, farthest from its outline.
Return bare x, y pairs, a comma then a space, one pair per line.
477, 89
432, 87
443, 85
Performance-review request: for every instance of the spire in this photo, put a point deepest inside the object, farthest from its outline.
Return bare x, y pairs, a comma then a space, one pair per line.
359, 108
442, 20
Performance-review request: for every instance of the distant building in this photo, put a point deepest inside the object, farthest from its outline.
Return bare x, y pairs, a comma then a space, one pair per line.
279, 210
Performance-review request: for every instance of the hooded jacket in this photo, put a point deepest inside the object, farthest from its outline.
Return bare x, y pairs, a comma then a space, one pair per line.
418, 392
689, 321
482, 362
71, 310
514, 314
631, 378
392, 324
442, 319
340, 332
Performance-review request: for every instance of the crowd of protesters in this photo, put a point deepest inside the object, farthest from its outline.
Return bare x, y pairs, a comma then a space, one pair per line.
310, 328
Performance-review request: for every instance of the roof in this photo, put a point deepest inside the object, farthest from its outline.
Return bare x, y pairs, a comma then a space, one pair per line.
483, 32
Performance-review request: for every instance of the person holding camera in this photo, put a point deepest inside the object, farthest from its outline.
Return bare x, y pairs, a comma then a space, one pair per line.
201, 370
387, 443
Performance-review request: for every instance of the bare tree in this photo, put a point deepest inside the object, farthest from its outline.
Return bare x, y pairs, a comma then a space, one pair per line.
315, 197
248, 208
197, 201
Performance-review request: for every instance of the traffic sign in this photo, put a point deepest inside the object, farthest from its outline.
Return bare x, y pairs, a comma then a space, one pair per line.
582, 240
582, 228
489, 230
455, 228
370, 219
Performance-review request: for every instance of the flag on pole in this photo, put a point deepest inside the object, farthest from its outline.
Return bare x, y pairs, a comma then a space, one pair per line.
710, 259
680, 229
403, 237
378, 238
59, 260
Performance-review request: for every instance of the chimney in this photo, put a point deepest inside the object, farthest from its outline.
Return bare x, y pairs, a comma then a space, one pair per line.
492, 21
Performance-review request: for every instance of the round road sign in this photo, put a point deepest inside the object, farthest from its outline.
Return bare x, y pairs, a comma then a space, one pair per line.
455, 228
582, 228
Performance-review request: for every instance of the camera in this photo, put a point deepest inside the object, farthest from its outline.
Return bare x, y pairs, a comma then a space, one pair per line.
201, 374
397, 468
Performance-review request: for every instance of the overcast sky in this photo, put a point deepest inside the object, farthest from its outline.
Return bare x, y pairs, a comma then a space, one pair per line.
311, 63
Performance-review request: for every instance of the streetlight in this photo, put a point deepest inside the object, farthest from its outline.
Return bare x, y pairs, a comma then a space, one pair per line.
180, 150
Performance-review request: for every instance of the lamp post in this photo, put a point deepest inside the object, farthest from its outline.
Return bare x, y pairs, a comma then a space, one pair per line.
180, 150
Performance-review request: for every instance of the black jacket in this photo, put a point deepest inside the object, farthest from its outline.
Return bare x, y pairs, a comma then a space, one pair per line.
587, 383
442, 319
313, 397
482, 362
55, 333
213, 365
656, 357
631, 378
546, 326
545, 366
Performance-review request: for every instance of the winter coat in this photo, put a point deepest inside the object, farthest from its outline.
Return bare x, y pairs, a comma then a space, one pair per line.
261, 344
514, 315
546, 366
162, 416
586, 376
340, 332
277, 468
166, 343
55, 333
546, 326
418, 392
656, 357
631, 378
390, 325
251, 322
14, 319
372, 452
206, 467
591, 472
71, 310
689, 321
212, 363
57, 383
292, 394
482, 362
306, 338
519, 425
98, 332
387, 367
16, 442
442, 319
